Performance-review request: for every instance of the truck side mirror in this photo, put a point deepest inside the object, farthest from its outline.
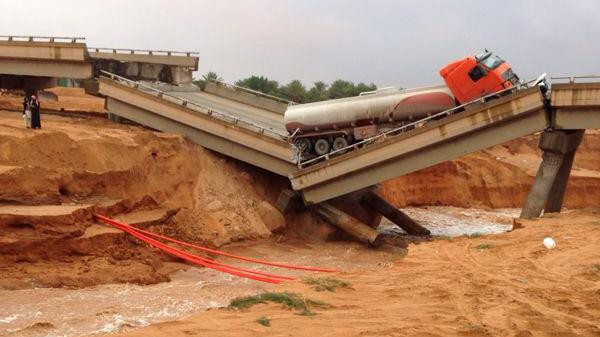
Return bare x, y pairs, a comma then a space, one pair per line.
477, 72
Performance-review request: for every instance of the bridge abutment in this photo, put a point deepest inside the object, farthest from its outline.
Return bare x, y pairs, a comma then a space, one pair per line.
548, 189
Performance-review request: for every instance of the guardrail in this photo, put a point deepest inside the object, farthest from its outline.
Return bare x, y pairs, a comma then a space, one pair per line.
142, 51
406, 127
200, 108
258, 93
572, 78
40, 38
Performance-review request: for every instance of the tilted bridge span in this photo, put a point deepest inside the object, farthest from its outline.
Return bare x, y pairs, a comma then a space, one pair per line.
248, 126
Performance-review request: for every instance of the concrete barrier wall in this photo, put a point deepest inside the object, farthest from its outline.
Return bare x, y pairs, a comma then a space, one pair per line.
246, 98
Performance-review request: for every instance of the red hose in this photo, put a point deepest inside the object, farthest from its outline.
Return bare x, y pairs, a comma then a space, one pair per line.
211, 261
268, 263
201, 261
186, 256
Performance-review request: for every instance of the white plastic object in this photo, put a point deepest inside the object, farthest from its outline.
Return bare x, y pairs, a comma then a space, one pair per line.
549, 243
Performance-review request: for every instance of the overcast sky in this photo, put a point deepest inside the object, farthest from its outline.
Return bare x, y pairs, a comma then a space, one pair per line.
402, 43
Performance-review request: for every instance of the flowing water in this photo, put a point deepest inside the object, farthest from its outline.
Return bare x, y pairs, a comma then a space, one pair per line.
456, 221
109, 308
117, 307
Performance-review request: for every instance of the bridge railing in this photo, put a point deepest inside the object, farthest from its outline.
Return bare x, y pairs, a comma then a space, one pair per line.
142, 51
406, 127
572, 78
23, 38
197, 107
254, 92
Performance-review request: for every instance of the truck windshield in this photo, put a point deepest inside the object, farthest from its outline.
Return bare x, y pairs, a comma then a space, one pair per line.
491, 61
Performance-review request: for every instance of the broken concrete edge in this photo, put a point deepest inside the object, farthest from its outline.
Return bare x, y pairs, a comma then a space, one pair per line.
561, 141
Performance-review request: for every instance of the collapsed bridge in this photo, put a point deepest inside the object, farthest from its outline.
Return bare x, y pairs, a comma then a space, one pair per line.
225, 120
248, 126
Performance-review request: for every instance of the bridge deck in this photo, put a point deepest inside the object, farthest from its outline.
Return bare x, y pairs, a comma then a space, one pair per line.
229, 134
576, 105
68, 57
171, 58
44, 58
480, 126
271, 120
477, 128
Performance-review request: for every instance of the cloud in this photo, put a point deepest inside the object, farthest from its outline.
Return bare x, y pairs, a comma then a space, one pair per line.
387, 42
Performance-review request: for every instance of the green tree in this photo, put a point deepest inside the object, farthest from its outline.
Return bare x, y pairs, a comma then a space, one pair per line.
293, 91
201, 82
211, 75
317, 93
361, 87
260, 83
341, 89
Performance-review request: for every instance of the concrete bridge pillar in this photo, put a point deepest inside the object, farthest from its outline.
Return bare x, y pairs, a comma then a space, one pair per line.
550, 183
345, 213
349, 224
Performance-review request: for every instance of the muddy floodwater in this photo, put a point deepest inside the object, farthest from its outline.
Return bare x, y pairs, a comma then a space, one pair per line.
109, 308
118, 307
456, 221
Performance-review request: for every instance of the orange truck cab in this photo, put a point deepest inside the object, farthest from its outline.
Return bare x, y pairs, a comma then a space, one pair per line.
478, 75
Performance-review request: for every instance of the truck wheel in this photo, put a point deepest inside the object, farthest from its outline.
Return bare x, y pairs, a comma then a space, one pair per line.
322, 147
340, 143
303, 144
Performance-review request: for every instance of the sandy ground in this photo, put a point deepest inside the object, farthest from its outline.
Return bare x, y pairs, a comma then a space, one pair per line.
499, 285
59, 260
55, 178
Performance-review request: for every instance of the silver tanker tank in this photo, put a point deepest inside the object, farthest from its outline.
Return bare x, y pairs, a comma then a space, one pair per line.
336, 123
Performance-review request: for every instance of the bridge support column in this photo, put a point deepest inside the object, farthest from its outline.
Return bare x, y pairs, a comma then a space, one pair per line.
550, 183
349, 224
393, 214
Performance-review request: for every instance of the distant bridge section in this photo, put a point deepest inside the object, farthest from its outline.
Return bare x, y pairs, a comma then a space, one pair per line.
36, 62
172, 67
32, 61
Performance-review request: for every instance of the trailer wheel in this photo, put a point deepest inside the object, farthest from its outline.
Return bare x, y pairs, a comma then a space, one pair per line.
303, 144
322, 147
340, 143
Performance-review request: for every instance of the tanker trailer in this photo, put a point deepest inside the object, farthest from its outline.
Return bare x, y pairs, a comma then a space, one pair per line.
332, 125
318, 128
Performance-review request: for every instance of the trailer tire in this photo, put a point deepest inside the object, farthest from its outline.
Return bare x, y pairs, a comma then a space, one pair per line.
339, 143
303, 144
322, 147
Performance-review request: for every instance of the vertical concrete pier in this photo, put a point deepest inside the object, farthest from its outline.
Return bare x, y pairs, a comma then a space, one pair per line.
550, 183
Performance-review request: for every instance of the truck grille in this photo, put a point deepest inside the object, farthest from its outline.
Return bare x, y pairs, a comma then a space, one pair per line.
510, 76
